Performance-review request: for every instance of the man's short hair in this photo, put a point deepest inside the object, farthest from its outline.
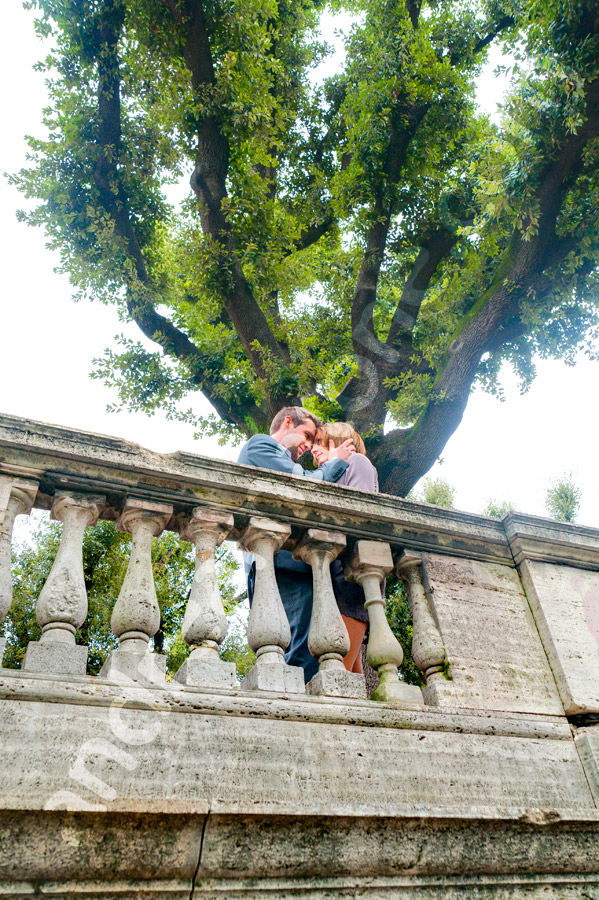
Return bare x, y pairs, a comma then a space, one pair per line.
297, 414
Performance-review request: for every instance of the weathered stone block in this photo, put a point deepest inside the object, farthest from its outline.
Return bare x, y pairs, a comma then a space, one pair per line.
148, 854
120, 748
565, 603
131, 665
411, 857
587, 743
56, 657
274, 677
206, 672
398, 692
371, 553
337, 684
439, 692
496, 658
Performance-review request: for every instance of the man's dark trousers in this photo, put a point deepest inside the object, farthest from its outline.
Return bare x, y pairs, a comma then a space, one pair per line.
294, 578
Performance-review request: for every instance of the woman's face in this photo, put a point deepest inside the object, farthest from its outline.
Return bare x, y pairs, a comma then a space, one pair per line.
320, 450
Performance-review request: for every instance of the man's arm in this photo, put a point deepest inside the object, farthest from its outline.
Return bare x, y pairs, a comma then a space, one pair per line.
263, 451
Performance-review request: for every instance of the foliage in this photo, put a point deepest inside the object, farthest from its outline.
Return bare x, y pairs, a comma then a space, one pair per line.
236, 649
562, 500
105, 556
400, 620
366, 242
30, 566
436, 491
497, 509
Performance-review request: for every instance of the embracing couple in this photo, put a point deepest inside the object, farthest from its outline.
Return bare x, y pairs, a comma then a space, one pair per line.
340, 455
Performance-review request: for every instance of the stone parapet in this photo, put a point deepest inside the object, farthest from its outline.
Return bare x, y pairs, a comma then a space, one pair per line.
481, 785
69, 460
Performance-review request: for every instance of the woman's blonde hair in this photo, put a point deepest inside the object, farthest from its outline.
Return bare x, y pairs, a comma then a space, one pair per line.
337, 432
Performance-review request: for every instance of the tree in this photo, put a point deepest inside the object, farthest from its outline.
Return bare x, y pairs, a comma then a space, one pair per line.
369, 245
562, 500
436, 491
399, 616
497, 509
106, 553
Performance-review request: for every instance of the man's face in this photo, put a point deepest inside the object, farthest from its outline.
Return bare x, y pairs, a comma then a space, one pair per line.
306, 432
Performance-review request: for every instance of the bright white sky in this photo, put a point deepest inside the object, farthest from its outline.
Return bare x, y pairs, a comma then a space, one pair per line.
507, 450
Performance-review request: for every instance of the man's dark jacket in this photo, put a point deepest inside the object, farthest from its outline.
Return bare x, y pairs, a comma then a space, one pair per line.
264, 452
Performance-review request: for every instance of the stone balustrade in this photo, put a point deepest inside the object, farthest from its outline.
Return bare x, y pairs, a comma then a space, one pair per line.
80, 486
484, 783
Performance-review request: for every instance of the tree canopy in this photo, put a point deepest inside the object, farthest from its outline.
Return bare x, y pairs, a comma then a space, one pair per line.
437, 491
365, 243
562, 499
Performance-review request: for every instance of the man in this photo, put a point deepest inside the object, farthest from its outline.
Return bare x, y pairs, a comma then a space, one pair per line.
292, 433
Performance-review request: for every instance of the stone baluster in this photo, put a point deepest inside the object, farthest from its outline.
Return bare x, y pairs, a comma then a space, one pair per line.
328, 639
16, 498
62, 604
268, 629
205, 624
370, 562
428, 649
136, 614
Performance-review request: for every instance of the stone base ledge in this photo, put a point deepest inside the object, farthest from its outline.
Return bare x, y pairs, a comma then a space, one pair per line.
90, 691
276, 757
89, 890
437, 817
526, 888
253, 856
562, 887
349, 685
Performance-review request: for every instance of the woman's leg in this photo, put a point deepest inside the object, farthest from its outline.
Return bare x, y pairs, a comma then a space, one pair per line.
356, 631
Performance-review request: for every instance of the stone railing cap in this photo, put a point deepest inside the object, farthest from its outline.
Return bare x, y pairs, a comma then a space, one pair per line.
65, 459
547, 540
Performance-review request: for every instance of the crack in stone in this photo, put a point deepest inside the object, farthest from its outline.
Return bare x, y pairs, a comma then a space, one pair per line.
199, 863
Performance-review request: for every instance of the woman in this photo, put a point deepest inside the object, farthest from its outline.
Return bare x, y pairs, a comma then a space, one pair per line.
360, 473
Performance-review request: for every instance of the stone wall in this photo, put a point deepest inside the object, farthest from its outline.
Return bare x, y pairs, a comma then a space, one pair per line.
485, 785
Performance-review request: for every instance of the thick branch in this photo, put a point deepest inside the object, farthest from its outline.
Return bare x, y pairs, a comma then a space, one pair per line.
366, 344
413, 7
377, 359
405, 455
313, 233
431, 254
106, 175
177, 345
209, 185
365, 398
503, 24
467, 52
